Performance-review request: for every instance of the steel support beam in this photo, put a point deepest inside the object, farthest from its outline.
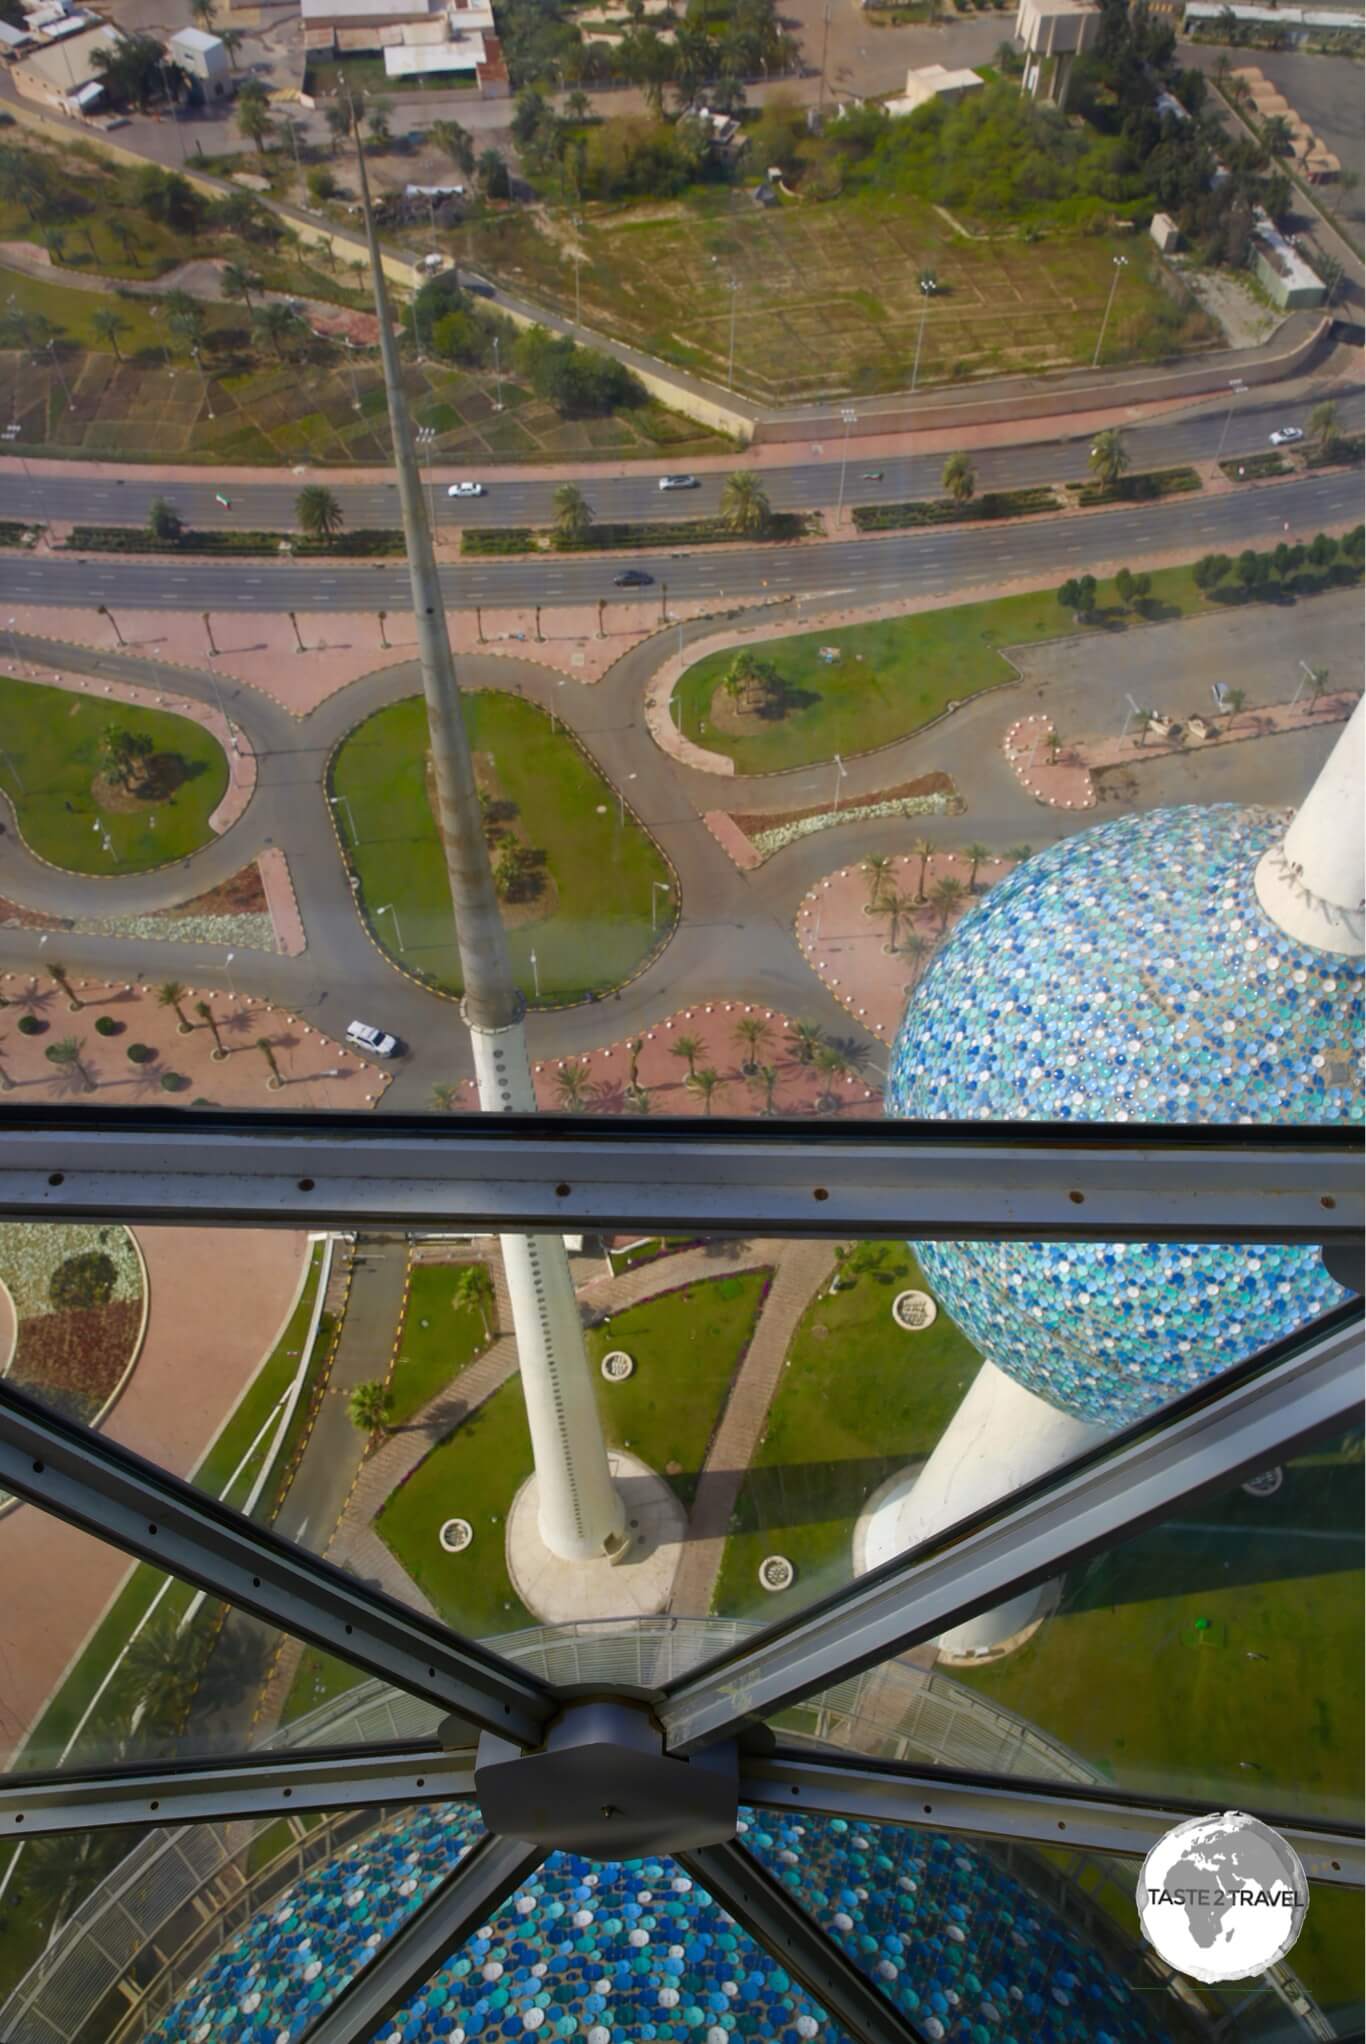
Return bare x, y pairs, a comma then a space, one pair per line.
521, 1173
491, 1871
1258, 1415
212, 1791
774, 1916
986, 1806
119, 1498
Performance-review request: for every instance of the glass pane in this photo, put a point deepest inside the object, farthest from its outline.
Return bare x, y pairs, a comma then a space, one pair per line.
1216, 1657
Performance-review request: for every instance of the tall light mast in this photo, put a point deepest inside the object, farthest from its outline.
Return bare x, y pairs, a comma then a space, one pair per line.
581, 1516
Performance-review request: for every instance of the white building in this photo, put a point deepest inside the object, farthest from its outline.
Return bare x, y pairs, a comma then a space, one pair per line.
932, 81
1282, 269
416, 37
203, 57
1054, 33
60, 74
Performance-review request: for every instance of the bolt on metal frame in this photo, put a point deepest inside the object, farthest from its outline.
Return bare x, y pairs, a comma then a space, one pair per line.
1188, 1185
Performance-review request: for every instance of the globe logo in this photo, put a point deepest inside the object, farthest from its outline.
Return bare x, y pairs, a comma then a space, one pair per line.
1222, 1897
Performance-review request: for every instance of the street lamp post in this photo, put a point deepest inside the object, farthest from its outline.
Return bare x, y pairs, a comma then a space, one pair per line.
222, 708
387, 909
928, 286
1121, 263
657, 887
535, 976
426, 438
497, 375
730, 361
227, 967
209, 630
1237, 389
840, 771
343, 802
849, 416
621, 803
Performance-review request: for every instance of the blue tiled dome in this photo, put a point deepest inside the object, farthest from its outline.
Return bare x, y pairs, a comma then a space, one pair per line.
1128, 973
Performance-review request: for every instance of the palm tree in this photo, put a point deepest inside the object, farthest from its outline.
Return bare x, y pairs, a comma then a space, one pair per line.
976, 853
917, 950
959, 478
744, 503
704, 1084
1109, 456
474, 1287
879, 871
445, 1099
253, 115
170, 994
1315, 682
804, 1039
201, 12
690, 1047
206, 1016
948, 895
160, 1672
751, 1033
232, 40
832, 1064
578, 106
63, 979
66, 1055
574, 1087
369, 1406
1323, 428
126, 239
319, 513
633, 1050
274, 1082
924, 851
275, 321
239, 282
895, 906
109, 323
767, 1077
573, 513
450, 136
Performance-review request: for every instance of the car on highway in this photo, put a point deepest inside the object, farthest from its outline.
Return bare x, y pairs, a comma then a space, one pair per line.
1286, 436
377, 1042
678, 483
465, 490
633, 578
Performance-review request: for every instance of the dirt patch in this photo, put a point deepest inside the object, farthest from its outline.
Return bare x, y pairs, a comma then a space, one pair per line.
534, 898
928, 784
241, 893
14, 916
163, 774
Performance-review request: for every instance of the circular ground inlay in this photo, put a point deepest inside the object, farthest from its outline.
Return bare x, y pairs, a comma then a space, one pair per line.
1265, 1484
617, 1366
776, 1573
456, 1535
914, 1311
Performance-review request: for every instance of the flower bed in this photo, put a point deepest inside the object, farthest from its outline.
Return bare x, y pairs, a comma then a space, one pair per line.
79, 1297
234, 913
1140, 488
135, 539
944, 510
932, 795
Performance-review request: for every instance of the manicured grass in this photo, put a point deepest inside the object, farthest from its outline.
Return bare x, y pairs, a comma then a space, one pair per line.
686, 1346
318, 1679
53, 741
439, 1339
897, 673
859, 1399
590, 929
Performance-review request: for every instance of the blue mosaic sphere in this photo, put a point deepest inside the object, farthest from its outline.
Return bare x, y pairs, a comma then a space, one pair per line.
613, 1954
1128, 973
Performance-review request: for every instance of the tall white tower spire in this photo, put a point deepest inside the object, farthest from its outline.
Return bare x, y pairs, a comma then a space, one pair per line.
1311, 883
581, 1516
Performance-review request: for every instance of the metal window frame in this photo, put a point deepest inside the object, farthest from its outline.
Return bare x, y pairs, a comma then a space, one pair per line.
1054, 1182
1221, 1434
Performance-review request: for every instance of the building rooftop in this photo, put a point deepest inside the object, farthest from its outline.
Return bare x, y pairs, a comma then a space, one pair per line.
196, 39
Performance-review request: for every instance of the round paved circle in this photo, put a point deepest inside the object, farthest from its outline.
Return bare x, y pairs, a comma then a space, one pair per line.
456, 1535
776, 1573
914, 1311
617, 1366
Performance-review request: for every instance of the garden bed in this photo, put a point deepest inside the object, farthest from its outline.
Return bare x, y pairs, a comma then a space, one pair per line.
945, 511
520, 539
79, 1296
1251, 468
1143, 488
14, 532
931, 784
1344, 452
498, 539
135, 539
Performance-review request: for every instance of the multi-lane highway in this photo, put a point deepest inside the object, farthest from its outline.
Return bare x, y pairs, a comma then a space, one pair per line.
906, 564
807, 481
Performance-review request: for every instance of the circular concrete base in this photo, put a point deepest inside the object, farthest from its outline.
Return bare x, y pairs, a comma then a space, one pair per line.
876, 1520
637, 1586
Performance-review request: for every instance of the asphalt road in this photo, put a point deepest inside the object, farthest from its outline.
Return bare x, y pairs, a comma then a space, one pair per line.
804, 484
904, 564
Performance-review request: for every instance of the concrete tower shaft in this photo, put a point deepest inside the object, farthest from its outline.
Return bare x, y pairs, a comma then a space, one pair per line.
581, 1516
1311, 884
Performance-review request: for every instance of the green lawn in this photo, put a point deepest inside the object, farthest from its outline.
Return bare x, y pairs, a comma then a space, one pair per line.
590, 929
439, 1339
52, 741
858, 1400
475, 1472
896, 674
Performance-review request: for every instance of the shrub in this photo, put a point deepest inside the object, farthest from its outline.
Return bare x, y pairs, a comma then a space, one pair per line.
140, 1053
31, 1025
105, 1025
173, 1082
86, 1280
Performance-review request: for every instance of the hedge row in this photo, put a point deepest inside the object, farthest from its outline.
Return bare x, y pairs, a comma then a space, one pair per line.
135, 539
1250, 467
1140, 488
12, 531
1345, 447
678, 532
945, 511
497, 539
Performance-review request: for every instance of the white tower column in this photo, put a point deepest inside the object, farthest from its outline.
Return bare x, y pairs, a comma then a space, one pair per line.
1000, 1438
581, 1516
1310, 884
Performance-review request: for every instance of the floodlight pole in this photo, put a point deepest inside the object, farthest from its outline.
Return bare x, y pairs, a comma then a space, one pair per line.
581, 1516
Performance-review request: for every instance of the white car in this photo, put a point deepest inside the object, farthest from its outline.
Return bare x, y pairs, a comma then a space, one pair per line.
678, 483
465, 490
1286, 436
378, 1042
